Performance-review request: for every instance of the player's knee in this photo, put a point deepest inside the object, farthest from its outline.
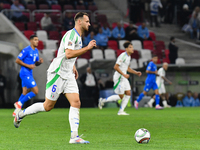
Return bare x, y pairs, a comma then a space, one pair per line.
144, 92
128, 93
76, 103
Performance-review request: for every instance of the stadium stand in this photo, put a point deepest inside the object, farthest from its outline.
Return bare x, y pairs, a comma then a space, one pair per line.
28, 33
110, 54
20, 25
97, 54
180, 61
133, 64
136, 44
81, 62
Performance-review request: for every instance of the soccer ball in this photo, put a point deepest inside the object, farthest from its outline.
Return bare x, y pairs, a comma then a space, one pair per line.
142, 136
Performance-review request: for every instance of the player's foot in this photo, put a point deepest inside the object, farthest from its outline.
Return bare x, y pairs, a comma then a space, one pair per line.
100, 104
122, 113
18, 107
149, 104
17, 120
136, 104
78, 140
15, 112
158, 107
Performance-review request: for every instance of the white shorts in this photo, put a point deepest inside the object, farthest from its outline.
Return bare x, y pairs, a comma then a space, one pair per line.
57, 85
121, 85
161, 88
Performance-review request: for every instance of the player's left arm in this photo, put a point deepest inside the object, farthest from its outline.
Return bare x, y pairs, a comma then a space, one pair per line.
138, 73
75, 72
166, 80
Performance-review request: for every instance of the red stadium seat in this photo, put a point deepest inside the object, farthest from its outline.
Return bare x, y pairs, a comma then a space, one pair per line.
113, 44
160, 48
43, 6
119, 51
31, 7
27, 14
166, 60
20, 26
86, 55
40, 45
38, 17
167, 53
92, 8
6, 6
54, 35
63, 33
148, 45
56, 7
68, 7
28, 33
32, 26
55, 17
101, 18
152, 35
80, 7
135, 55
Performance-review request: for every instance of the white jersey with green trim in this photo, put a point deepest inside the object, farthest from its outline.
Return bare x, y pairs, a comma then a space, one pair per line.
123, 61
61, 65
159, 79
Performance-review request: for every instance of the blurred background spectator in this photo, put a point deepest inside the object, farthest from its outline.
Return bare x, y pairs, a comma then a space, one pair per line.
118, 32
154, 7
143, 32
196, 102
188, 100
68, 21
106, 30
17, 14
173, 51
46, 23
131, 33
102, 39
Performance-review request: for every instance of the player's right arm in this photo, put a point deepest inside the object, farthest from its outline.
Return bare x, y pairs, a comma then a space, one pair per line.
20, 57
116, 67
20, 62
70, 53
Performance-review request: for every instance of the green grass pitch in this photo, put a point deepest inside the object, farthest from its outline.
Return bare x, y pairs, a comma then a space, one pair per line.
171, 129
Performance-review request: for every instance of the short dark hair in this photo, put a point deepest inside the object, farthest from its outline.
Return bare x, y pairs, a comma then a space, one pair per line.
126, 44
32, 36
172, 38
80, 15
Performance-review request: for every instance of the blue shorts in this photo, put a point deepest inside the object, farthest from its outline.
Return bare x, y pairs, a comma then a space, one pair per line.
28, 81
149, 86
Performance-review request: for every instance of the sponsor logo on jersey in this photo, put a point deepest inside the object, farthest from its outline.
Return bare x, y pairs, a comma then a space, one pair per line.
69, 43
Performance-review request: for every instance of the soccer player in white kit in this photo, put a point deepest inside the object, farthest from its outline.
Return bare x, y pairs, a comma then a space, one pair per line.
161, 86
121, 84
62, 75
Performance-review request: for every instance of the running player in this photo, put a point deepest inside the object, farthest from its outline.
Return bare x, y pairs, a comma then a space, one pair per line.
161, 86
150, 83
121, 84
28, 59
62, 75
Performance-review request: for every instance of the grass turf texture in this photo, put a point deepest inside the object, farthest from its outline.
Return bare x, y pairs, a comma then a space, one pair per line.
171, 129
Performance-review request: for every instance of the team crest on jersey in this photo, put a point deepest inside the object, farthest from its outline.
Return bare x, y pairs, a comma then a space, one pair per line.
20, 55
69, 43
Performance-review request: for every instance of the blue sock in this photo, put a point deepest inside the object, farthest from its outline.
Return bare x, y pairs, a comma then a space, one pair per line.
140, 97
157, 98
21, 96
27, 97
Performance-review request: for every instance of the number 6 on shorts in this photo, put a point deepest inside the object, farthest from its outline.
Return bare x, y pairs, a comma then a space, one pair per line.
54, 88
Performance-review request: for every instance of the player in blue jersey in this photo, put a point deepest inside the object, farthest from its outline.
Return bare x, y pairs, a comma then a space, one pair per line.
28, 59
150, 83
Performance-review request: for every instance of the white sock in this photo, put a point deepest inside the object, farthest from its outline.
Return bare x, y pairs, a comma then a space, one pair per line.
124, 102
33, 109
74, 121
112, 98
164, 103
151, 101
